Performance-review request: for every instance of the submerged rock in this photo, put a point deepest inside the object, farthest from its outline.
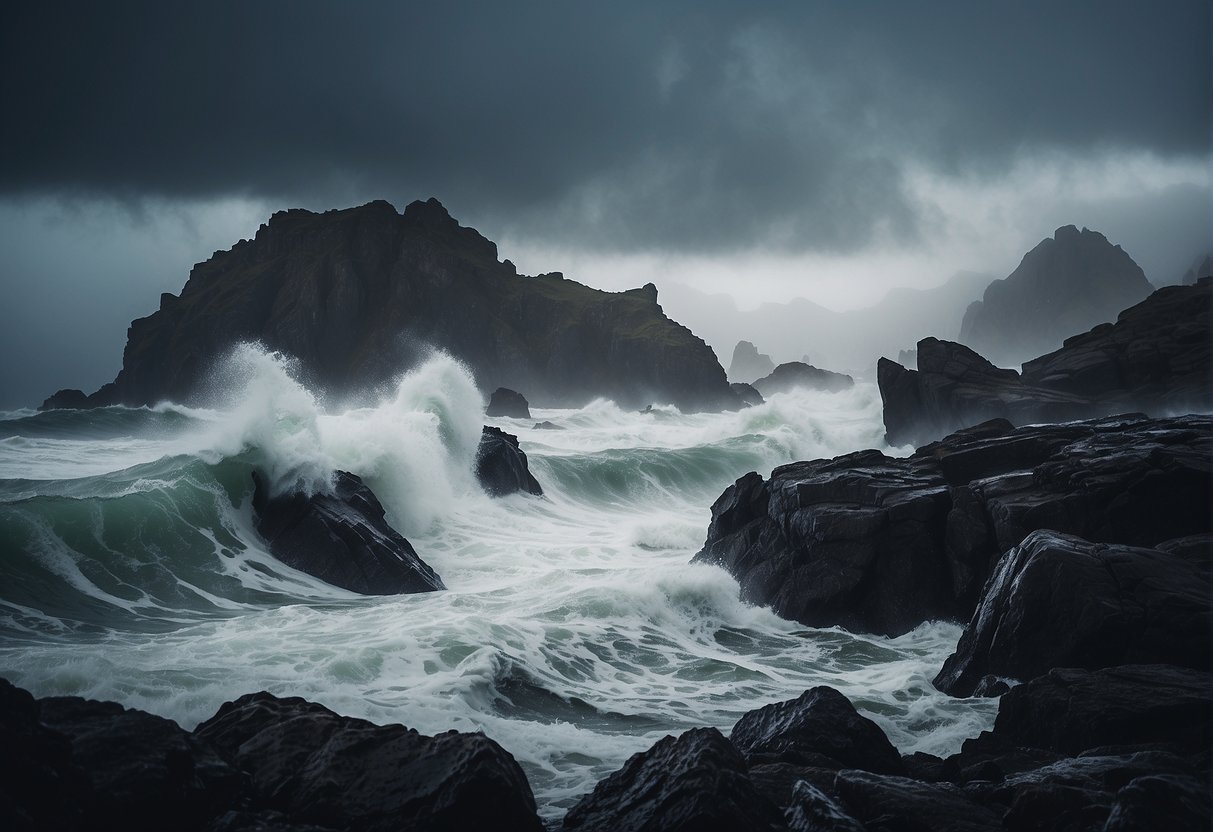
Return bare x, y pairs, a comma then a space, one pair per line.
696, 782
317, 767
506, 402
795, 374
879, 544
501, 465
1057, 600
342, 538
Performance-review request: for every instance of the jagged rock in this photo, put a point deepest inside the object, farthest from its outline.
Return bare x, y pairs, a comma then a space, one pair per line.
1070, 711
696, 782
66, 399
795, 374
342, 538
747, 395
885, 802
1064, 285
1157, 358
501, 465
1057, 600
143, 772
1160, 802
321, 768
506, 402
820, 723
955, 388
878, 544
748, 363
812, 810
360, 294
545, 425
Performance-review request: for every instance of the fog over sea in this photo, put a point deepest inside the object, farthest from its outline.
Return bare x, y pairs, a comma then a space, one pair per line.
574, 631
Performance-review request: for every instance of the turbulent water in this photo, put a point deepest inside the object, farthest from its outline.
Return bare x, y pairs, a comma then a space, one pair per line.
574, 631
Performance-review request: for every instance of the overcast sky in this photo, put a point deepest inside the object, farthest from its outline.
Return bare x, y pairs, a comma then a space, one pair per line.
826, 150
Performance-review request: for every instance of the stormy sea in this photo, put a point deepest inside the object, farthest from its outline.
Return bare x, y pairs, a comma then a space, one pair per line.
575, 630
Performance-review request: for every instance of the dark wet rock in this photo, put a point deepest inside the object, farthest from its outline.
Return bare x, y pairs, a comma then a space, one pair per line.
143, 772
795, 374
812, 810
358, 295
342, 538
693, 782
1161, 802
545, 425
878, 544
1066, 284
263, 821
66, 399
748, 363
501, 465
320, 768
747, 394
955, 388
1070, 711
820, 723
1156, 358
883, 802
925, 767
777, 781
506, 402
1057, 600
40, 785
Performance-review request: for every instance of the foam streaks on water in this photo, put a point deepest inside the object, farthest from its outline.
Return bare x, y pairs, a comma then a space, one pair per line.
574, 631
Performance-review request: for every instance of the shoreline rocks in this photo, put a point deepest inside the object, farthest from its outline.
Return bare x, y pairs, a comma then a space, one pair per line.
878, 544
795, 374
501, 465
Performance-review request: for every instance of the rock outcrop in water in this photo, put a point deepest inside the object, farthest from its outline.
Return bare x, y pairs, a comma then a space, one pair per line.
361, 294
342, 538
748, 363
1067, 284
878, 544
798, 374
501, 465
509, 403
1157, 358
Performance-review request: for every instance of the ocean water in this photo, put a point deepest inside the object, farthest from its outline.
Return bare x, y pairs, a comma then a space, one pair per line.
575, 632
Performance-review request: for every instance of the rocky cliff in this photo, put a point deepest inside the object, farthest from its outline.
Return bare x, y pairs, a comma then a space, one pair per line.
1067, 284
358, 294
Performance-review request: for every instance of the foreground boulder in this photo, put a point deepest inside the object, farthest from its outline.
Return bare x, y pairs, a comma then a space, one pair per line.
1157, 358
820, 728
696, 782
1057, 600
501, 465
797, 374
317, 767
510, 403
878, 544
342, 538
355, 295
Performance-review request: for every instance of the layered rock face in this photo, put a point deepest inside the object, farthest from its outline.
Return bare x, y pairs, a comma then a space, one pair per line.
1067, 284
748, 363
878, 544
359, 295
1157, 358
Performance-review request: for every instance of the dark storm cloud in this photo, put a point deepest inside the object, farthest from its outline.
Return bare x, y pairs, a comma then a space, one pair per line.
680, 127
